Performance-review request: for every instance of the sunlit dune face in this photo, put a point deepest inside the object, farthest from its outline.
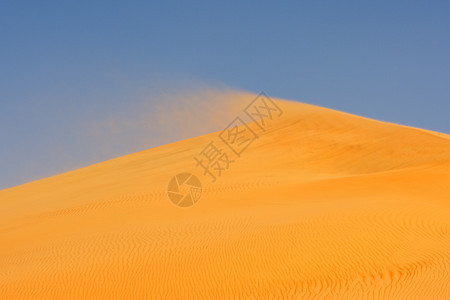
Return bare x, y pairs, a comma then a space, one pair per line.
322, 205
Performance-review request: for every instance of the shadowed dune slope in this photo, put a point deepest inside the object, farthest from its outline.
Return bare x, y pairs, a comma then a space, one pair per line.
322, 205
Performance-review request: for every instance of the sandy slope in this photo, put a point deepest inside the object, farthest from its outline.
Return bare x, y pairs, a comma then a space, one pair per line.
323, 205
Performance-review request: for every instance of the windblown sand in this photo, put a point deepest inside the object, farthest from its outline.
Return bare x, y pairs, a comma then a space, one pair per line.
323, 205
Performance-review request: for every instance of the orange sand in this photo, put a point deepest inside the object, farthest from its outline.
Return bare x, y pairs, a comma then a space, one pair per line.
323, 205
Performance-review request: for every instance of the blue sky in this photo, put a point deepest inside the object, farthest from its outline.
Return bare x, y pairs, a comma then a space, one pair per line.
64, 62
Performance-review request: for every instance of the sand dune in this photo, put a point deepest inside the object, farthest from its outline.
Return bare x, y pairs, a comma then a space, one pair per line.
322, 205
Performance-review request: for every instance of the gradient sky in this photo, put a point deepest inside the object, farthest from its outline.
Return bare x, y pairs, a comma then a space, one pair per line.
64, 62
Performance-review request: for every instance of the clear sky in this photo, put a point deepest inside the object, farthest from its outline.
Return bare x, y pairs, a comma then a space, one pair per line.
62, 62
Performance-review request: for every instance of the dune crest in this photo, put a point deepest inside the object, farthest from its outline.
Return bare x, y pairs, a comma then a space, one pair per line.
321, 205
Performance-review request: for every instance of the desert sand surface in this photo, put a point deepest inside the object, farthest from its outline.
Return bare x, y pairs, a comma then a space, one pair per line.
322, 205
